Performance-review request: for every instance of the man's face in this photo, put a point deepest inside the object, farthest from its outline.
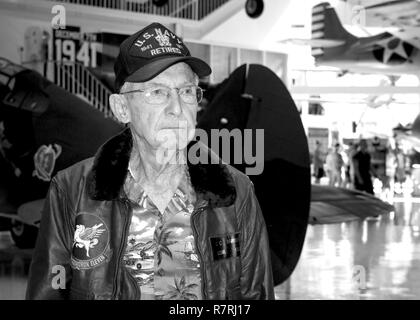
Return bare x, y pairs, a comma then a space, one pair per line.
363, 145
170, 125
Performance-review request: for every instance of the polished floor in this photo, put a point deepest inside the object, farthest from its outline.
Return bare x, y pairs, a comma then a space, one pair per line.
371, 259
14, 267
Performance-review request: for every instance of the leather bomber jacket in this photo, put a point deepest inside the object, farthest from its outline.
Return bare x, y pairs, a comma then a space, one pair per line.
90, 193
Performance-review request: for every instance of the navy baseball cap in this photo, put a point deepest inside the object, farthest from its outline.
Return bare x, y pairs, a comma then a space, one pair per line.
150, 51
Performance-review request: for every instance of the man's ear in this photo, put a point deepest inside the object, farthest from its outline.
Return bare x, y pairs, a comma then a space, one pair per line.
119, 107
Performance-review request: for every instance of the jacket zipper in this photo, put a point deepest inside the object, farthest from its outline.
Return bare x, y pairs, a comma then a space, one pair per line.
122, 249
200, 257
136, 286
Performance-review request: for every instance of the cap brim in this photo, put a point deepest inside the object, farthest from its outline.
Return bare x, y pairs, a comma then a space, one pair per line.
152, 69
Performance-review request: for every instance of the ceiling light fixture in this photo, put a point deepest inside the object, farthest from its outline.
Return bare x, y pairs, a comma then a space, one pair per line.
254, 8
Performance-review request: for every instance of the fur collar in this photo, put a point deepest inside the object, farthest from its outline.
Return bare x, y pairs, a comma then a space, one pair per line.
211, 182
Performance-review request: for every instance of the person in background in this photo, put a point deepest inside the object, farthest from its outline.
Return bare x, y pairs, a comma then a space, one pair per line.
391, 167
400, 170
362, 168
378, 160
349, 167
318, 162
334, 164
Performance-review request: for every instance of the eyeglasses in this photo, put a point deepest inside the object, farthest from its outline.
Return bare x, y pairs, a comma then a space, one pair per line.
161, 95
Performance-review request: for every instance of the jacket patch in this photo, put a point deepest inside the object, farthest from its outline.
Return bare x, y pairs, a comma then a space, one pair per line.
225, 246
44, 161
91, 239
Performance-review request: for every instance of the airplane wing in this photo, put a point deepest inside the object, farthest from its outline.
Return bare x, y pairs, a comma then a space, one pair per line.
336, 205
320, 43
404, 14
401, 13
371, 103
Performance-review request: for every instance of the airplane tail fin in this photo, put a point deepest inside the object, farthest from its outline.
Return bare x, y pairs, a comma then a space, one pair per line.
327, 30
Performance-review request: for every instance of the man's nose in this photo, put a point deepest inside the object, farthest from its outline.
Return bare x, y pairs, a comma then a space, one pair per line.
174, 107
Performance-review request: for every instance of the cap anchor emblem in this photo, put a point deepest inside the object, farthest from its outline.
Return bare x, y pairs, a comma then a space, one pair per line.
162, 38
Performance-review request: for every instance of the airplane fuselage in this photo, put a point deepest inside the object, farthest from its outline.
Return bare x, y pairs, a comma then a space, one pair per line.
367, 63
377, 54
388, 53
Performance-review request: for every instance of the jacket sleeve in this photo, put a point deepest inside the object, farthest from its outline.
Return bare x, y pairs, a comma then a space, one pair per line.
50, 272
256, 275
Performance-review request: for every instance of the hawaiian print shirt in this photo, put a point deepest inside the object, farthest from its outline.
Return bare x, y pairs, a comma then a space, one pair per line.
160, 251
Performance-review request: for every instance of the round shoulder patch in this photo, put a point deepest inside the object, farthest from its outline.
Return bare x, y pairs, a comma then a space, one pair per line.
44, 161
91, 239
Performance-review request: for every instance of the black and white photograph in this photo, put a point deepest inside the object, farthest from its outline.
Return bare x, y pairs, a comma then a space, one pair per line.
209, 150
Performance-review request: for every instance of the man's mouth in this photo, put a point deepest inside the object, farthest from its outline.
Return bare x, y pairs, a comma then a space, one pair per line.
173, 127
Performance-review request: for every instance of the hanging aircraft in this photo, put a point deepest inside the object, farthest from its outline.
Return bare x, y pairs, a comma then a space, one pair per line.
372, 101
409, 133
332, 45
44, 130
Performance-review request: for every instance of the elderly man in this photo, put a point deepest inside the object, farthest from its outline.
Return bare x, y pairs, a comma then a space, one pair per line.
140, 220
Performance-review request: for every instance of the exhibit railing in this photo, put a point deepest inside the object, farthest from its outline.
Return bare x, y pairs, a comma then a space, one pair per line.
183, 9
79, 80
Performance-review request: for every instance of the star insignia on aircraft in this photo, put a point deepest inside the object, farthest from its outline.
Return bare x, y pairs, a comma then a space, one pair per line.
391, 46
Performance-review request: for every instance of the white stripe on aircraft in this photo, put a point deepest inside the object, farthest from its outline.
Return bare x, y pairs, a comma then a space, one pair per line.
318, 17
319, 9
318, 25
317, 52
318, 35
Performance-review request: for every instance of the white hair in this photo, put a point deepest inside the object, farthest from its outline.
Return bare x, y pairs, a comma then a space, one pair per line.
127, 86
